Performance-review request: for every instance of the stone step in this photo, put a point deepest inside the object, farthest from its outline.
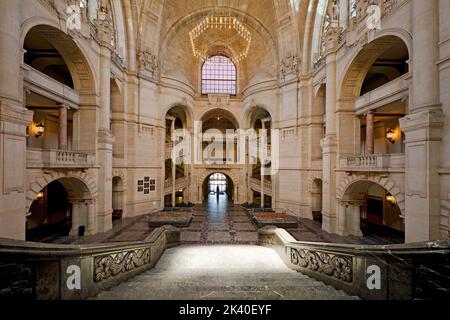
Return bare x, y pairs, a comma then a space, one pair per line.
222, 272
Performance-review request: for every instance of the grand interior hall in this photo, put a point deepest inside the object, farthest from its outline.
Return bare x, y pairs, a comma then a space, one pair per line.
224, 149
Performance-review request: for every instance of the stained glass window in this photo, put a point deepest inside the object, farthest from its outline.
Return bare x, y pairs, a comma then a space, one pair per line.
219, 76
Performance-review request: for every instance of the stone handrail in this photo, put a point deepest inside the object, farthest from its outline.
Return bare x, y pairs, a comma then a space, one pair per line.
179, 184
40, 158
402, 271
43, 271
375, 162
255, 184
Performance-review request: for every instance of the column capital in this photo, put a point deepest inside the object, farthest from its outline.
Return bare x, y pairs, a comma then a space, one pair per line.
332, 35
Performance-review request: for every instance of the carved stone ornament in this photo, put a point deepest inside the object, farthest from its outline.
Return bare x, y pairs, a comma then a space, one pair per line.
333, 13
336, 266
289, 66
112, 265
148, 62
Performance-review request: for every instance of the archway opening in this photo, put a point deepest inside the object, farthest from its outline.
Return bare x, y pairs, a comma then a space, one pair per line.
218, 188
369, 210
62, 208
50, 214
117, 199
316, 200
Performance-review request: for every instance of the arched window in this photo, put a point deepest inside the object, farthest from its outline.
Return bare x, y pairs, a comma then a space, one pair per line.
219, 76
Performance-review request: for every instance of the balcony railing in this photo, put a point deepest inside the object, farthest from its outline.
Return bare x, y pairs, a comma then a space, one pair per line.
374, 162
180, 183
56, 159
255, 184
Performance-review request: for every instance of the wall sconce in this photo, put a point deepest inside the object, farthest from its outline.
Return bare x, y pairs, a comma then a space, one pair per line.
391, 200
390, 136
36, 129
39, 196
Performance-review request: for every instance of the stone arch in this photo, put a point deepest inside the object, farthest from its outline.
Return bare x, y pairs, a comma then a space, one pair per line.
187, 108
251, 108
122, 176
312, 178
349, 86
198, 14
379, 179
87, 184
207, 173
231, 115
69, 48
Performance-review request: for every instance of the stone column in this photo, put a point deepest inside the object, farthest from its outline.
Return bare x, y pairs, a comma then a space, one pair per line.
14, 119
174, 165
329, 143
344, 13
262, 166
370, 135
354, 218
105, 138
342, 219
423, 129
75, 218
91, 221
62, 129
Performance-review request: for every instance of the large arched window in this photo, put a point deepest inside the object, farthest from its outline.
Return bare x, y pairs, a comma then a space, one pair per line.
219, 76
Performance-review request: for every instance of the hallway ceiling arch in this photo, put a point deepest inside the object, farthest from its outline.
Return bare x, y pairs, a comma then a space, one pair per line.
164, 25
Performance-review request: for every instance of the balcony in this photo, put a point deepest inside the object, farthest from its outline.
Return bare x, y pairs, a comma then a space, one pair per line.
384, 95
57, 159
375, 163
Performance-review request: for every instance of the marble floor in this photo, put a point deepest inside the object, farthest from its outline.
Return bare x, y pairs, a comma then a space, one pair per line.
218, 221
200, 272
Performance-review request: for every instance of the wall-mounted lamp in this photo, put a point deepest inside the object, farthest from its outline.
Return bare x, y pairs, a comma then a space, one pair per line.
36, 129
39, 196
390, 136
391, 199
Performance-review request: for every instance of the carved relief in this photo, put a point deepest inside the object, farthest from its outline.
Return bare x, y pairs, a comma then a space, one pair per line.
148, 62
112, 265
289, 66
339, 267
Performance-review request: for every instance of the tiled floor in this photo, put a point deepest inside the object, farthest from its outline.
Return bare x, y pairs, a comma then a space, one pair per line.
218, 221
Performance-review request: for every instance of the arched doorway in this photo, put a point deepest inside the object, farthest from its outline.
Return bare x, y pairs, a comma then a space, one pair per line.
64, 207
218, 187
316, 200
367, 209
118, 194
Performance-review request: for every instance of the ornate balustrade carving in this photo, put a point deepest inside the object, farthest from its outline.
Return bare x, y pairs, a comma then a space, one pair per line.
337, 266
111, 265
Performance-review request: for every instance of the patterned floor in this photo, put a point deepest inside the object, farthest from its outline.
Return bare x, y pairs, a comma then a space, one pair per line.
219, 221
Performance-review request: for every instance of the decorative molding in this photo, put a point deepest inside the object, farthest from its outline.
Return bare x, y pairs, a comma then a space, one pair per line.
114, 264
289, 66
332, 265
148, 64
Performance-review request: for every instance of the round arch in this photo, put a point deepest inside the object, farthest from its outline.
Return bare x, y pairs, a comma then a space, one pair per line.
72, 52
79, 185
203, 178
187, 109
349, 86
221, 112
345, 188
250, 109
198, 14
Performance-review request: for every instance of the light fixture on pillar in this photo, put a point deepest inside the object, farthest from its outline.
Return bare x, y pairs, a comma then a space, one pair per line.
390, 136
390, 199
36, 129
39, 196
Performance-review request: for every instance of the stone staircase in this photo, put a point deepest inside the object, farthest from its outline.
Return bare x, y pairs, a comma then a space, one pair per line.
222, 272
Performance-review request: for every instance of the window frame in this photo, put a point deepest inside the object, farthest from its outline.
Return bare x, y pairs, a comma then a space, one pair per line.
220, 78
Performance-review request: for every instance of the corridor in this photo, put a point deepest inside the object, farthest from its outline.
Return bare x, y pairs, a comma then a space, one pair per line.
196, 272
